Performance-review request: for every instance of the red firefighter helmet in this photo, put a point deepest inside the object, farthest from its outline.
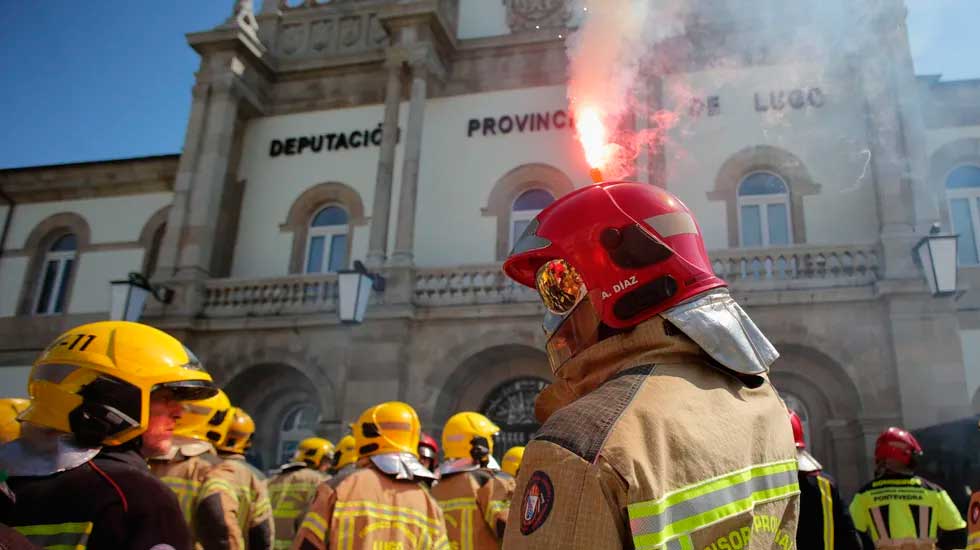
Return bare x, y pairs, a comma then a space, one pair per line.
615, 253
898, 445
428, 447
794, 420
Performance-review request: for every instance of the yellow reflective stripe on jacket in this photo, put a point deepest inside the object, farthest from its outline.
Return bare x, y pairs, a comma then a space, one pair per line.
464, 508
186, 491
215, 485
316, 524
973, 541
827, 504
655, 522
431, 529
494, 507
58, 536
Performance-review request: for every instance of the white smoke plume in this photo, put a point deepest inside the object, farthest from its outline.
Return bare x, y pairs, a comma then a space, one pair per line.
605, 56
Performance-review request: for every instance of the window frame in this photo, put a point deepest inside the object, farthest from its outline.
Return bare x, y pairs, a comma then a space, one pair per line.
62, 277
296, 433
327, 232
525, 215
763, 202
972, 197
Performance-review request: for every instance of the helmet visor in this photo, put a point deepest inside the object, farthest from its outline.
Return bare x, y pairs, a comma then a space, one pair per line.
560, 286
571, 333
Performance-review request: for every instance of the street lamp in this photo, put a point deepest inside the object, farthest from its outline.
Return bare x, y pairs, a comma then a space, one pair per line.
354, 289
128, 296
936, 254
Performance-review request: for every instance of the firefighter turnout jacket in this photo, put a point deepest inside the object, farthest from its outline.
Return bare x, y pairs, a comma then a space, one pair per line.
370, 510
973, 522
825, 523
660, 448
185, 474
237, 492
290, 493
475, 505
109, 502
904, 512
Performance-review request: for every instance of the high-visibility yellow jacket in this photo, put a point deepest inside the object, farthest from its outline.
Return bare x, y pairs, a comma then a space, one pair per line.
475, 505
238, 490
290, 493
904, 512
370, 510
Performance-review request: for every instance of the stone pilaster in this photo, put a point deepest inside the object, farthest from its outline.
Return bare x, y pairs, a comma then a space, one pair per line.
405, 237
381, 211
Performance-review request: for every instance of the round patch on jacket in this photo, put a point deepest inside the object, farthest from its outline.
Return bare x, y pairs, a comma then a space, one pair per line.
539, 497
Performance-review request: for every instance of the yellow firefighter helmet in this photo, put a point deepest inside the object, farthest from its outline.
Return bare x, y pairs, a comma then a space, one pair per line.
463, 431
238, 430
391, 427
512, 460
312, 451
10, 408
346, 452
205, 420
95, 380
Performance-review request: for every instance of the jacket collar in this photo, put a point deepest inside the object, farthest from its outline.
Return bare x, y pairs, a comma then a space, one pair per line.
651, 342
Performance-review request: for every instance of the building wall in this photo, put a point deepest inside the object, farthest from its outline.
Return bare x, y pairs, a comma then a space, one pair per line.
699, 145
479, 18
115, 225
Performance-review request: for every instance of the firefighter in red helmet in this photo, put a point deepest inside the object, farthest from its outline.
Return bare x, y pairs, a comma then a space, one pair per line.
429, 452
825, 523
899, 509
662, 429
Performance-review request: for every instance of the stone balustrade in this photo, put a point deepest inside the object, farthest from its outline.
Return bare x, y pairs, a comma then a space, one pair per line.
806, 266
468, 285
799, 267
268, 297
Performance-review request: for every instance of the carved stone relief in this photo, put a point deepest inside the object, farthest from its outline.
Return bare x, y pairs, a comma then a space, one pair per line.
291, 38
525, 15
351, 29
321, 34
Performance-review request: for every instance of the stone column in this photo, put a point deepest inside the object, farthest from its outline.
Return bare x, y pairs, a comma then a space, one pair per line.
381, 212
210, 172
169, 247
405, 237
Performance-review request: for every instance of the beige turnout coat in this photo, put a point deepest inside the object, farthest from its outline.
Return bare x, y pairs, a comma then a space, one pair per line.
650, 444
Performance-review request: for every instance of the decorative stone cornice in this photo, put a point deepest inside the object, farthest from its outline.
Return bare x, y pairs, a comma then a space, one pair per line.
90, 179
529, 15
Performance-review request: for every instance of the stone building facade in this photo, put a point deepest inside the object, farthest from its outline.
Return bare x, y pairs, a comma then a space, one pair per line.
420, 135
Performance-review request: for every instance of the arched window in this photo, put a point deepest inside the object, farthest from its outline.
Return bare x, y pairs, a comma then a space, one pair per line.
963, 194
511, 406
298, 424
763, 211
794, 403
525, 208
326, 251
56, 275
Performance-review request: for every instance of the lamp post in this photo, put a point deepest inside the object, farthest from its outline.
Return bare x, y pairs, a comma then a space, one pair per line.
354, 291
936, 254
128, 296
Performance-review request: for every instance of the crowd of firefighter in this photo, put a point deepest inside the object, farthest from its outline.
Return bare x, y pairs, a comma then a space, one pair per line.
661, 430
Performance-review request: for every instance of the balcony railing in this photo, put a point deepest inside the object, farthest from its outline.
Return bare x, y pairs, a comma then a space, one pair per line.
468, 285
797, 267
800, 267
267, 297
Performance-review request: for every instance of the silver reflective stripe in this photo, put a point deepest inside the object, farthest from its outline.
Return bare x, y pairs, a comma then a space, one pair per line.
711, 501
675, 223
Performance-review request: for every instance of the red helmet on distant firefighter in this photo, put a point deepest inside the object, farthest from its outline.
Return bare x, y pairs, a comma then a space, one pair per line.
608, 257
794, 420
898, 445
429, 450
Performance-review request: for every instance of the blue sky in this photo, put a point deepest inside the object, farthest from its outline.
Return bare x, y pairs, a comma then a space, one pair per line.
94, 80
